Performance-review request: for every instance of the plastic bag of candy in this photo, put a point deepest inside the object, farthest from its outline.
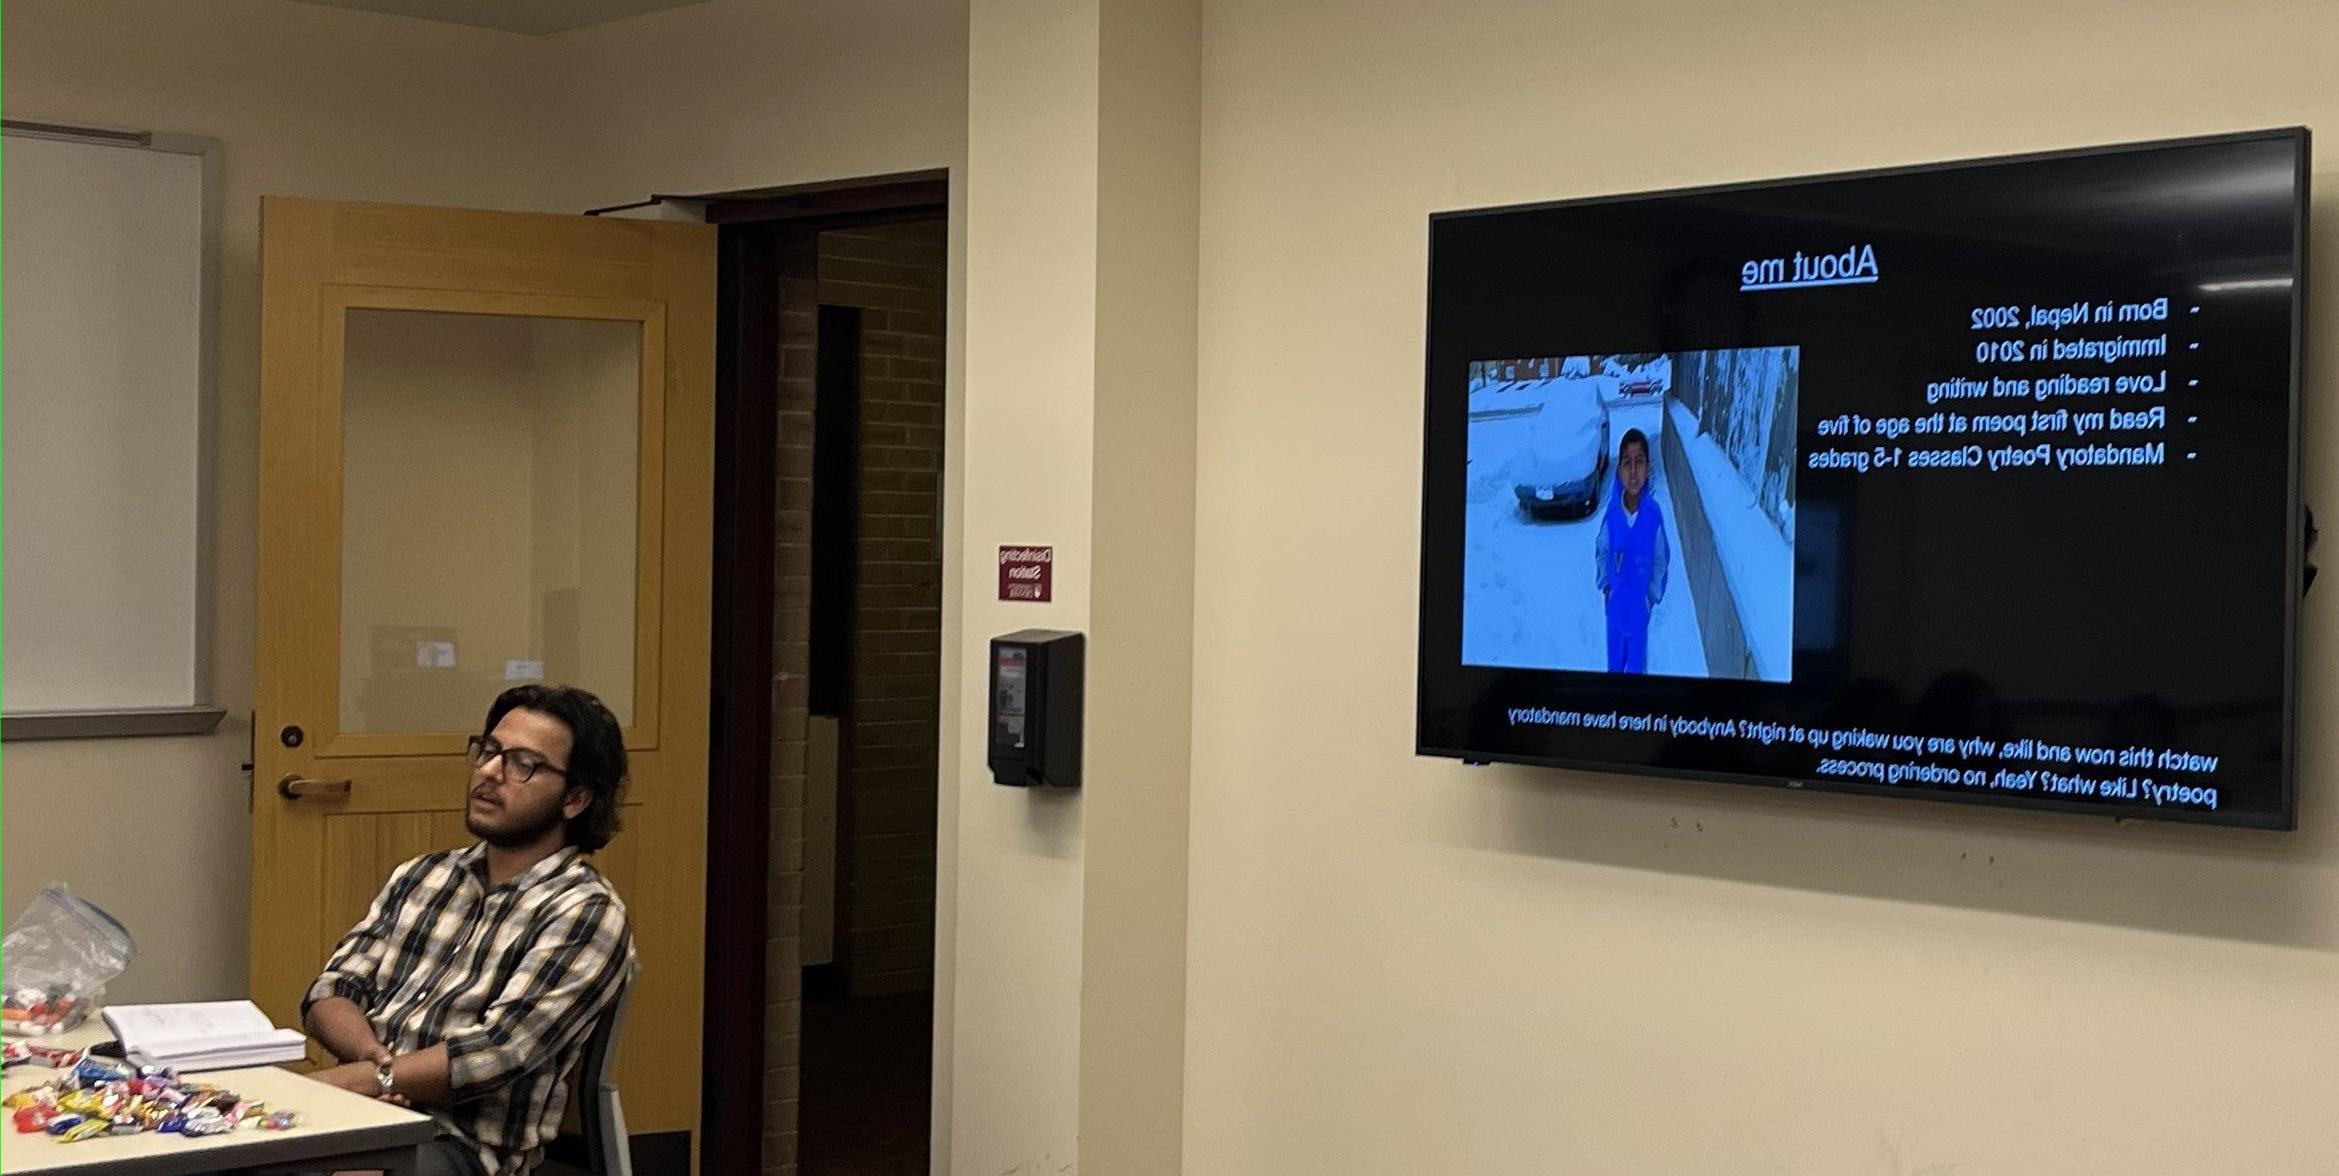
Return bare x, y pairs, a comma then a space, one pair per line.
59, 953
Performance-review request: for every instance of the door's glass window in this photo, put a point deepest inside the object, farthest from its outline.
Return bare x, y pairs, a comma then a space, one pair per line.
489, 469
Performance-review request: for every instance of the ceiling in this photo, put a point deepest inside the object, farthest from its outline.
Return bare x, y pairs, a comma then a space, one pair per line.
535, 17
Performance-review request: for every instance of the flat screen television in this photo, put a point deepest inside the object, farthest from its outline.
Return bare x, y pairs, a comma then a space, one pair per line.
1972, 481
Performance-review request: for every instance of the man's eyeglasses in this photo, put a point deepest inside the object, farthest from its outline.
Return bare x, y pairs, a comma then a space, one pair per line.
520, 764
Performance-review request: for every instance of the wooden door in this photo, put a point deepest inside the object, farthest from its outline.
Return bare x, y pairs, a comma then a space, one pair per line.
486, 451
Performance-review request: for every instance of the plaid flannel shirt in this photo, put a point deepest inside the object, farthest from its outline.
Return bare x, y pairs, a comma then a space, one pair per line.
511, 979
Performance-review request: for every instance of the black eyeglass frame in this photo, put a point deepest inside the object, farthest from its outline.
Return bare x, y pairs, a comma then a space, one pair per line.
518, 771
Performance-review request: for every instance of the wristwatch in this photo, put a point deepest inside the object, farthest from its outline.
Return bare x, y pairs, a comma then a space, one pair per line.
385, 1079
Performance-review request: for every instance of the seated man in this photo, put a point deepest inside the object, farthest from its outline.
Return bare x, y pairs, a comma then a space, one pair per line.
470, 987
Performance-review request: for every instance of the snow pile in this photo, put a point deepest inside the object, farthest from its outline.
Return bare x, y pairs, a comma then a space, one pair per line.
1745, 399
1757, 560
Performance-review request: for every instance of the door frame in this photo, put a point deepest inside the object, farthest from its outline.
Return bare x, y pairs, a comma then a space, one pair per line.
753, 229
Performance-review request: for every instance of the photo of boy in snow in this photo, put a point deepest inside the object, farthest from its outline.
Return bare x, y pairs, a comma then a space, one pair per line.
1631, 557
1632, 513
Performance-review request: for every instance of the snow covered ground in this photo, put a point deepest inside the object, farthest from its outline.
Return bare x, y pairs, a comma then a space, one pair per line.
1528, 595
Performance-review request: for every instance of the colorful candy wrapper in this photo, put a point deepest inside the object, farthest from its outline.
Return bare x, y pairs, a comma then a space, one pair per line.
205, 1121
96, 1098
92, 1071
87, 1129
39, 1010
56, 1057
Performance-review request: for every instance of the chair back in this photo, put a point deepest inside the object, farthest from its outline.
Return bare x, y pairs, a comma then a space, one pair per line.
601, 1117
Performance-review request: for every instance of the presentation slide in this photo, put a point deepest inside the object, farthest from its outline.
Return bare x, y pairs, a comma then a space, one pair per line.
1975, 480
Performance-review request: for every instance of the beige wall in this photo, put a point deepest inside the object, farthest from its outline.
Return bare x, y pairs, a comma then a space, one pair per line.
1394, 965
309, 101
1019, 470
316, 101
320, 102
737, 94
1141, 642
1403, 965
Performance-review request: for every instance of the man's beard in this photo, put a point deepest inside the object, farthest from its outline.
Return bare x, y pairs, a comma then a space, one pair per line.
515, 837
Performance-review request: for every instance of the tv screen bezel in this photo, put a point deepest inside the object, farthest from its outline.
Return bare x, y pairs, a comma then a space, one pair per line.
1431, 525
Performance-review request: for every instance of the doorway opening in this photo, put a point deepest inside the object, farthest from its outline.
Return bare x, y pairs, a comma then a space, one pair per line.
827, 677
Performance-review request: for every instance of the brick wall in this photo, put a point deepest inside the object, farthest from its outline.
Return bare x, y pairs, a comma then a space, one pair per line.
888, 758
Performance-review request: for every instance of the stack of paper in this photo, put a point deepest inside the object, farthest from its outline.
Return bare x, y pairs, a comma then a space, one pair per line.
205, 1035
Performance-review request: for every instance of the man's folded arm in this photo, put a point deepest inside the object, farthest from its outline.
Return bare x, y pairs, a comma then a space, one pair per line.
570, 972
333, 1011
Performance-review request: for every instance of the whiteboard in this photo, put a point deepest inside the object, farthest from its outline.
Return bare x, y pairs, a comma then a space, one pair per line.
109, 250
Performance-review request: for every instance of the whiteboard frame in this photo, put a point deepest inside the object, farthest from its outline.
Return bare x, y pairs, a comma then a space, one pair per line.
202, 715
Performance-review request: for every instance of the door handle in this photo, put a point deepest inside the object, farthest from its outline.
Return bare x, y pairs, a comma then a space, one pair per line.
293, 787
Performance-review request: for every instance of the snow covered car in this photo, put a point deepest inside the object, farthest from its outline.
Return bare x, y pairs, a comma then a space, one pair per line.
1560, 469
1511, 398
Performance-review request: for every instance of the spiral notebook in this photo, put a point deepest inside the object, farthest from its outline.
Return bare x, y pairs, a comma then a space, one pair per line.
203, 1035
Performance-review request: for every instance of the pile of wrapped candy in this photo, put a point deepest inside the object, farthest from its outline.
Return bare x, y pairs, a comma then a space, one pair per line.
39, 1010
93, 1096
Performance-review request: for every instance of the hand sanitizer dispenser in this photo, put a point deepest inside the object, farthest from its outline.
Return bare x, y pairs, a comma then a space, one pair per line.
1035, 708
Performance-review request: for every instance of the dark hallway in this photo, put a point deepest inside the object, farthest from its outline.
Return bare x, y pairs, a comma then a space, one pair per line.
867, 1070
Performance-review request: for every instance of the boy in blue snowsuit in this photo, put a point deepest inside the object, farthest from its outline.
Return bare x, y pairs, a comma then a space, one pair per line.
1633, 557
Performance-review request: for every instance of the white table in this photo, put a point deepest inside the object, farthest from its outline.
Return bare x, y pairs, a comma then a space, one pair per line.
338, 1130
